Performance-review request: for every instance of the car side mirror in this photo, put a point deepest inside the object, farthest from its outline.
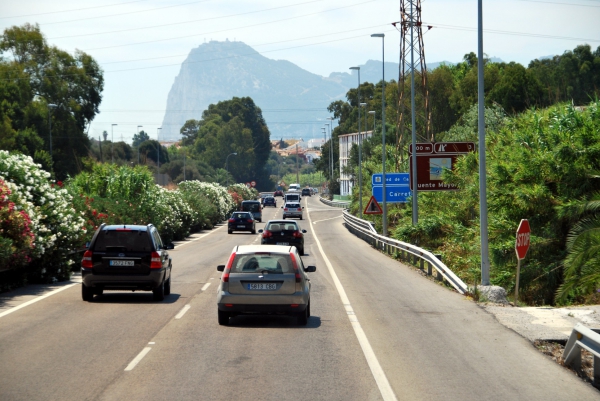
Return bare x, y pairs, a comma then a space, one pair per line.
170, 246
220, 268
282, 207
302, 207
310, 269
260, 231
303, 231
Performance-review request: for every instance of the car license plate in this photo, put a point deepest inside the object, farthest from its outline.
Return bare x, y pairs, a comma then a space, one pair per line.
241, 226
121, 262
262, 286
283, 243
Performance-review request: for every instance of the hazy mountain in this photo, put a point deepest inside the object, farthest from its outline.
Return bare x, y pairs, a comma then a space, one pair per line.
294, 101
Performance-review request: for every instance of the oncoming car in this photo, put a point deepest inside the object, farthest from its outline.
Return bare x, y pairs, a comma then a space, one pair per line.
259, 279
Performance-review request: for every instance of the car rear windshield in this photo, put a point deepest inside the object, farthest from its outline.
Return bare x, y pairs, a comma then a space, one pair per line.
277, 227
251, 207
293, 205
241, 216
271, 263
123, 240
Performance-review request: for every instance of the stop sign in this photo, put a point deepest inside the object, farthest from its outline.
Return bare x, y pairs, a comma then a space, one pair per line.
522, 243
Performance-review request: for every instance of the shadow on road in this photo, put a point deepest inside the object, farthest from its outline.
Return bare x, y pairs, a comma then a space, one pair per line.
273, 322
141, 297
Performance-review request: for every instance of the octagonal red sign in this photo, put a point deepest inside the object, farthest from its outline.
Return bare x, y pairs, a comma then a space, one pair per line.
522, 243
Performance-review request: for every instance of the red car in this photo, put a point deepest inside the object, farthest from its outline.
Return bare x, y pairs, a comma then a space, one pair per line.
278, 193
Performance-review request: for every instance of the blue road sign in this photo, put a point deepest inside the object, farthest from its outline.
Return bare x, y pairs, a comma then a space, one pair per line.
391, 179
395, 194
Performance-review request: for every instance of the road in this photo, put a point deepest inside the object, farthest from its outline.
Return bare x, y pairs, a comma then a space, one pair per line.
379, 330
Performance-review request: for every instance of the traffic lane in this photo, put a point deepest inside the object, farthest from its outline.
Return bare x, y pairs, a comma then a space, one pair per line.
256, 357
48, 344
431, 341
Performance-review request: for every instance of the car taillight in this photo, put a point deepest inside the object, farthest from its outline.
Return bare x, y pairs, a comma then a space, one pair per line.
296, 271
155, 261
297, 234
231, 220
87, 260
285, 209
249, 220
299, 209
225, 277
267, 234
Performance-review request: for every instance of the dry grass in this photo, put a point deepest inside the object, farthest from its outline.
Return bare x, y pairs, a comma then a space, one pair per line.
555, 351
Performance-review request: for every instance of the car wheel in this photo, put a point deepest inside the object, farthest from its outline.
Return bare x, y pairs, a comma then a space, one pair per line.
87, 293
229, 231
303, 318
308, 309
300, 217
254, 231
301, 251
98, 291
168, 287
223, 318
159, 292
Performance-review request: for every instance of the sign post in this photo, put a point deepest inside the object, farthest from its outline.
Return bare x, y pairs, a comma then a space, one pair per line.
521, 248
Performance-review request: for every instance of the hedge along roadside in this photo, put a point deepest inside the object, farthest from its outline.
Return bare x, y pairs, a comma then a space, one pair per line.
63, 219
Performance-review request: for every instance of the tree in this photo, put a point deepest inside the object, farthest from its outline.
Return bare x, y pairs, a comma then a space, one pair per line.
140, 137
35, 75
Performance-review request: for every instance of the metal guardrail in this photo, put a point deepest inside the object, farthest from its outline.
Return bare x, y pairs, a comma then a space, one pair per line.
342, 204
411, 253
583, 337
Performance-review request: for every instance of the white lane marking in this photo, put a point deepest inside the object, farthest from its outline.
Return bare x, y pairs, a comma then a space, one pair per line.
151, 343
318, 221
137, 359
205, 286
376, 370
200, 237
32, 301
182, 311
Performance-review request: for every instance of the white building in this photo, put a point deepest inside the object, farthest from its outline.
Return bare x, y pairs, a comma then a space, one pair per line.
346, 142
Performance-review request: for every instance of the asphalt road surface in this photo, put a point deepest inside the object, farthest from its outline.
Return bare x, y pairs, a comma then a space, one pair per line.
378, 330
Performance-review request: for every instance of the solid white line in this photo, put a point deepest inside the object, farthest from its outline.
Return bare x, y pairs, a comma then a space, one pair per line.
205, 286
378, 374
182, 311
318, 221
137, 359
200, 237
32, 301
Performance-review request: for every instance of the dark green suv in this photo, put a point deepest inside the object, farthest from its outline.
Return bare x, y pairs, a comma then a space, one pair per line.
126, 257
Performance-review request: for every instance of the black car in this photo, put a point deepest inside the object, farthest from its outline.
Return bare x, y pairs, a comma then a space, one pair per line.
278, 193
306, 192
241, 221
270, 201
126, 257
283, 232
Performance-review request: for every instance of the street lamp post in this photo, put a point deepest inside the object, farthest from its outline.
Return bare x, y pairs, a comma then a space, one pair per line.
372, 112
297, 174
112, 143
138, 147
331, 147
360, 209
158, 149
51, 107
384, 218
227, 165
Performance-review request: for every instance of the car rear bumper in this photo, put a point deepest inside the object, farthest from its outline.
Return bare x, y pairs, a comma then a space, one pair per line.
235, 227
284, 309
123, 282
288, 214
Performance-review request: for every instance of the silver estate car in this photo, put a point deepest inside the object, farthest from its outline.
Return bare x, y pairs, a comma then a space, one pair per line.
264, 279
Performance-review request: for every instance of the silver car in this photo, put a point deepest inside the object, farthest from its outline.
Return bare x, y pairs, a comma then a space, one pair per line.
264, 279
292, 209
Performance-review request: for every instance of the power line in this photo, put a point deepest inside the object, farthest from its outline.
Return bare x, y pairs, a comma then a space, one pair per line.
74, 9
187, 22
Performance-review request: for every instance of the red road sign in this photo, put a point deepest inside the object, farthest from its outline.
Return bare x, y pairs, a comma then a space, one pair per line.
248, 185
522, 243
429, 172
373, 207
453, 147
253, 183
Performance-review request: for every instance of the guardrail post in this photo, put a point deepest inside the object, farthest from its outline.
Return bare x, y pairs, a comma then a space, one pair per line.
429, 269
421, 264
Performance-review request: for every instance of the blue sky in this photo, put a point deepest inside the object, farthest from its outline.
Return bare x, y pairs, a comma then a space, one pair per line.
140, 44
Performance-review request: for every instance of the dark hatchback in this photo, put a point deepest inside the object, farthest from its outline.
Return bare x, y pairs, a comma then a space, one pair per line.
241, 221
126, 257
278, 193
283, 232
270, 201
306, 192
